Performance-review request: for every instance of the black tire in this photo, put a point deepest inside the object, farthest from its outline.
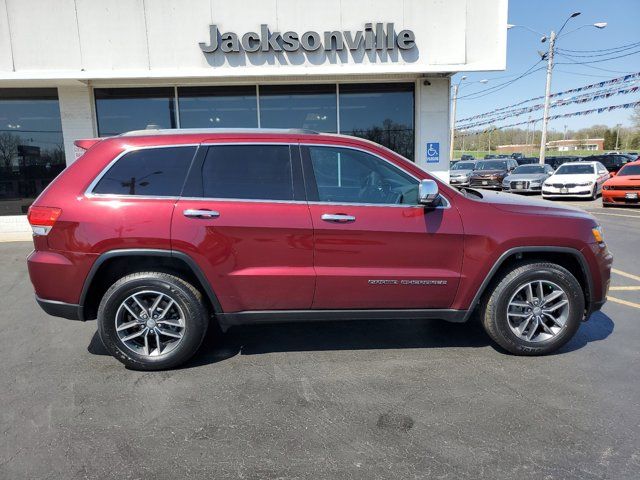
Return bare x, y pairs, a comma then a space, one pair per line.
493, 313
186, 296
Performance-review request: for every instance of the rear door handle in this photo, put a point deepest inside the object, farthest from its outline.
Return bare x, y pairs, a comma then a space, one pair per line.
338, 217
201, 213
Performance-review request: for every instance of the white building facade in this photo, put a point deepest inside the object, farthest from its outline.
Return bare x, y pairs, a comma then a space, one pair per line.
378, 69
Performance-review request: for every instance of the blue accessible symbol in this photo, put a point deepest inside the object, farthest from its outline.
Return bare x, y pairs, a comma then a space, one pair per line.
433, 152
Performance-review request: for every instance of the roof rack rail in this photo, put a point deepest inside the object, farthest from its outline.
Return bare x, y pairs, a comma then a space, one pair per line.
183, 131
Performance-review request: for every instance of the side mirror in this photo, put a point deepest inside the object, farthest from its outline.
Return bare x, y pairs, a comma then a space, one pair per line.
428, 193
613, 174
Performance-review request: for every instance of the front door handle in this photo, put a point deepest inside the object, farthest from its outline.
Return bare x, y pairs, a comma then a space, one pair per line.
201, 213
338, 217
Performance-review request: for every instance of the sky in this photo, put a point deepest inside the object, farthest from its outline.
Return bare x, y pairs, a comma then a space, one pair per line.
623, 28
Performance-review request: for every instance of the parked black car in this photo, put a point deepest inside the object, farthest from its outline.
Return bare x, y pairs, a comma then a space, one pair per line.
612, 162
467, 157
491, 173
556, 161
517, 155
527, 160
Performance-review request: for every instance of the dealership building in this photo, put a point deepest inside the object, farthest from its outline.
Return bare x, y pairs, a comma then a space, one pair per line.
380, 69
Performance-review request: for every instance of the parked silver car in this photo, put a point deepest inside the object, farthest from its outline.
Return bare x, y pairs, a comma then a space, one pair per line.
460, 172
527, 178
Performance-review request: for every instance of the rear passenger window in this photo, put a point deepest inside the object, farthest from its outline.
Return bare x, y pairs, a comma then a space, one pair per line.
251, 172
157, 172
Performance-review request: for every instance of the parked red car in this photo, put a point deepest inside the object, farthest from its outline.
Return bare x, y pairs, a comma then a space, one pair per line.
158, 233
624, 187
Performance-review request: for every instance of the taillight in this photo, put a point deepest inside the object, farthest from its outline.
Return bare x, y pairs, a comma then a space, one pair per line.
42, 219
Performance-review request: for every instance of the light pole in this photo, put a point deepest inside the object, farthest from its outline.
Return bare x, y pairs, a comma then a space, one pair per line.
553, 36
454, 100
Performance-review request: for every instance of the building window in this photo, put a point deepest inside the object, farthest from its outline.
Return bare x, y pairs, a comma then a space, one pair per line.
383, 113
224, 107
31, 146
121, 110
299, 106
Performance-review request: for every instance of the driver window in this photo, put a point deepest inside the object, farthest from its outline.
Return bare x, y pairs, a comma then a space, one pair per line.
344, 175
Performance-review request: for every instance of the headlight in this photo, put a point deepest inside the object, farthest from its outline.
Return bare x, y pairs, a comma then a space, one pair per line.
535, 182
585, 184
598, 234
547, 184
606, 187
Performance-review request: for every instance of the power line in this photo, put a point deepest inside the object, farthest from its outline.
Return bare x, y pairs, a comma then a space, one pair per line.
594, 61
501, 86
591, 55
600, 50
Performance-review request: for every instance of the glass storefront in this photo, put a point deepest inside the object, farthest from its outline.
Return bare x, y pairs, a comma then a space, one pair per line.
124, 109
218, 107
311, 107
382, 112
31, 145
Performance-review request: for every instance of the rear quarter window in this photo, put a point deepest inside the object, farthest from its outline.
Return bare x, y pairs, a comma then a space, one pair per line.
158, 172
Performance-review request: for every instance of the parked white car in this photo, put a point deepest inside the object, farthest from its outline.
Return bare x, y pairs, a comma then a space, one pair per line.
576, 179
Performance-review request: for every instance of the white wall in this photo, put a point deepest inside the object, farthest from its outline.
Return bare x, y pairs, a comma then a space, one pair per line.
76, 115
90, 39
432, 123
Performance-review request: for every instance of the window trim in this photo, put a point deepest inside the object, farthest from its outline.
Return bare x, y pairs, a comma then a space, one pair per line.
299, 193
309, 177
88, 193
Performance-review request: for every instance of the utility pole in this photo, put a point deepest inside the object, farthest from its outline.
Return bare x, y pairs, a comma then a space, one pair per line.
453, 117
547, 97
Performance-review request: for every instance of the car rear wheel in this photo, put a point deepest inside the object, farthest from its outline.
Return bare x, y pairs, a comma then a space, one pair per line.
152, 320
534, 308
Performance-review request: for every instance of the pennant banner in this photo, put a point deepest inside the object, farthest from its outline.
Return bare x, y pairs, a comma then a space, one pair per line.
605, 83
555, 117
583, 98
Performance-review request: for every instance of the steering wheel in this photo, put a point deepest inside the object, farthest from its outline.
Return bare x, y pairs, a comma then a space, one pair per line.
375, 189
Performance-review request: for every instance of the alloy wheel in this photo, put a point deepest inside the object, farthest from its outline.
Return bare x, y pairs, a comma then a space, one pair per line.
538, 311
150, 323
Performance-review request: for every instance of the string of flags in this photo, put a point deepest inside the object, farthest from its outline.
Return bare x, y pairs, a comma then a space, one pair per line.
605, 83
555, 117
582, 98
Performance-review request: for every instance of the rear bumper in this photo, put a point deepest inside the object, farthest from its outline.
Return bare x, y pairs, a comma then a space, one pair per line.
69, 311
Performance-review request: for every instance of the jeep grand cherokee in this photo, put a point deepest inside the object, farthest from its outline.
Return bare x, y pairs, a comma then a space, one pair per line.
157, 234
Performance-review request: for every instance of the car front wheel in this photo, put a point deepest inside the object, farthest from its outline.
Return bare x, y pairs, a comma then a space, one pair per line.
534, 309
152, 320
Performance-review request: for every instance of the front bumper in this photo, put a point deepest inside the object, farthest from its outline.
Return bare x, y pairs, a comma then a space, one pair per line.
454, 182
522, 190
619, 197
494, 184
581, 191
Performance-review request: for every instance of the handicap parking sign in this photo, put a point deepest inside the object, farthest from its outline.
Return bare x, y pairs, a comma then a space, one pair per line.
433, 152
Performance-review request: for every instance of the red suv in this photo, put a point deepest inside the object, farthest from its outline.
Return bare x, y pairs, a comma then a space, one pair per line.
158, 233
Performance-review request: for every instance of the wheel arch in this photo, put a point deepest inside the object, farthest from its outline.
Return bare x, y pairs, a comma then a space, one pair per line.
116, 263
567, 257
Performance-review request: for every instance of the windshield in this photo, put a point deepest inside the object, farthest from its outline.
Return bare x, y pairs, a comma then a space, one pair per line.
572, 169
463, 166
529, 169
492, 165
629, 170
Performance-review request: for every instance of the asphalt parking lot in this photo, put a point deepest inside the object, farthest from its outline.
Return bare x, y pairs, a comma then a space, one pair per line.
337, 400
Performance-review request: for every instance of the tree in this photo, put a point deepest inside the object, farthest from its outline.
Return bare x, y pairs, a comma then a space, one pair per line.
609, 139
8, 148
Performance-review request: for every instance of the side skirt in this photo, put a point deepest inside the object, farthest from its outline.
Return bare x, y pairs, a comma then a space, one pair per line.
253, 317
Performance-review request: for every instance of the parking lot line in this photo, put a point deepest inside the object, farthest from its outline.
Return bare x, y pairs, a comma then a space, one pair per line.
614, 214
624, 302
625, 274
624, 288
